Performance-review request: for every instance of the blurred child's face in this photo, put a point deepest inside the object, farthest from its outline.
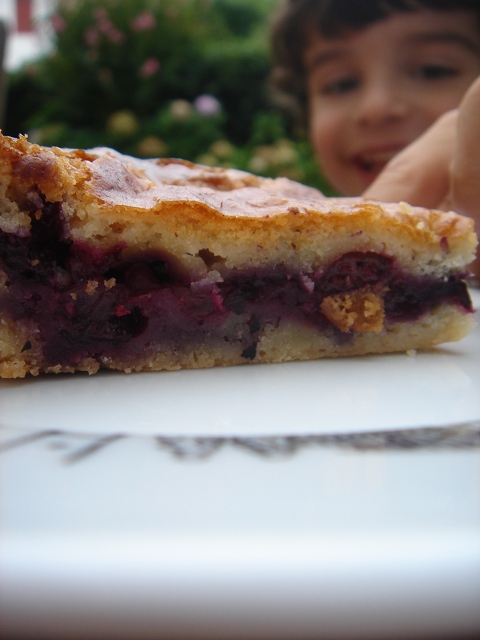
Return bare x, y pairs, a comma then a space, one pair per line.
374, 91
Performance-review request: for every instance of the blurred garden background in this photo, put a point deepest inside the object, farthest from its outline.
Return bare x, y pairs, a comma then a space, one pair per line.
180, 78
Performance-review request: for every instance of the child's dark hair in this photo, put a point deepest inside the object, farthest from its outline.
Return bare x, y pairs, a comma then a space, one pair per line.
330, 18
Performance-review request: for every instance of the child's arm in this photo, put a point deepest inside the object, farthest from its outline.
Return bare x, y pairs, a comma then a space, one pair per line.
441, 169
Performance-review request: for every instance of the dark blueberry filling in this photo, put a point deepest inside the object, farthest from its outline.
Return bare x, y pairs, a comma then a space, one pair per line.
89, 302
408, 298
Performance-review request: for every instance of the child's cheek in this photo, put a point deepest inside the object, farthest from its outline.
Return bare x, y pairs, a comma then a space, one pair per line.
327, 131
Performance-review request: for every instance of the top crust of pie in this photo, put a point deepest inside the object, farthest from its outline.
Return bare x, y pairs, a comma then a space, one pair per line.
182, 207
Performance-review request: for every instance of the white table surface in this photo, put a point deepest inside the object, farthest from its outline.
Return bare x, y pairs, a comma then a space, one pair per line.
117, 536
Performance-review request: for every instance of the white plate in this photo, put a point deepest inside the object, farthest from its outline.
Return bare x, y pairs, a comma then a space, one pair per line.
433, 388
116, 537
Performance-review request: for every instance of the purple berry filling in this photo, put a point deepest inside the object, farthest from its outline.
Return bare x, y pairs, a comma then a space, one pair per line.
88, 302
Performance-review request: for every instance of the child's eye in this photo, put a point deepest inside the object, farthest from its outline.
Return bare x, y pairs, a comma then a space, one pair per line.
435, 72
342, 85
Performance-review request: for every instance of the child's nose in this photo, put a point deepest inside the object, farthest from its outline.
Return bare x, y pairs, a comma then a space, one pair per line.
381, 103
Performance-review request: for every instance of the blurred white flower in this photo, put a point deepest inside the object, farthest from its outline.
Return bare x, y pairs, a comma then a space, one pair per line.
208, 159
285, 152
257, 164
223, 149
123, 123
207, 105
151, 147
180, 109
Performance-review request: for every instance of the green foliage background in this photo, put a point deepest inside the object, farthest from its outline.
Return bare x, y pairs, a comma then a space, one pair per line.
182, 78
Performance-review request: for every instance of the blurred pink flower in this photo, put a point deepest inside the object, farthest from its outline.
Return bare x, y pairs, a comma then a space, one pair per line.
100, 14
149, 67
207, 105
58, 23
144, 21
114, 35
91, 36
106, 26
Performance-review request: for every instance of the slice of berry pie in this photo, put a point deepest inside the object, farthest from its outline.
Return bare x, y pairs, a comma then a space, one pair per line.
114, 262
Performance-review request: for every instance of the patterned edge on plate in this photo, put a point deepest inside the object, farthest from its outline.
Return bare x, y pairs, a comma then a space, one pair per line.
77, 447
456, 436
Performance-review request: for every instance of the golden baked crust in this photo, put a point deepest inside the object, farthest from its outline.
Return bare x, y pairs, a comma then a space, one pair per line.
197, 206
207, 224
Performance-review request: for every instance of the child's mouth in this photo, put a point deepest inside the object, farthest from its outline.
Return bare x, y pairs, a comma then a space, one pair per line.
370, 165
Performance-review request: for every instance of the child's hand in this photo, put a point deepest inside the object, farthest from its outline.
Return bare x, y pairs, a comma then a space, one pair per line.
464, 191
441, 169
420, 174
